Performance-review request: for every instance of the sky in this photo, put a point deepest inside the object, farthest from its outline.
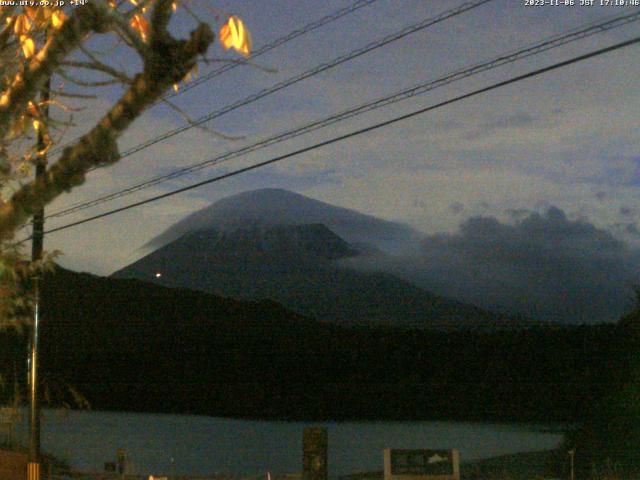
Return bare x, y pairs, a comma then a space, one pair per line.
562, 145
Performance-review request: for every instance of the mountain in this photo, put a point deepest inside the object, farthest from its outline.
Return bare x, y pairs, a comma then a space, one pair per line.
129, 345
297, 266
273, 206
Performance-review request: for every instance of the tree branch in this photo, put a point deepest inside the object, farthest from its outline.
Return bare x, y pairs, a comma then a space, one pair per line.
92, 17
167, 62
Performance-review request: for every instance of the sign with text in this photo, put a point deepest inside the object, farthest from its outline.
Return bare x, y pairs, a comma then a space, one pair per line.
314, 453
421, 464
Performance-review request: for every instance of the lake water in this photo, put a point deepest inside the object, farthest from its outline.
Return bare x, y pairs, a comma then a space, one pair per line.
198, 445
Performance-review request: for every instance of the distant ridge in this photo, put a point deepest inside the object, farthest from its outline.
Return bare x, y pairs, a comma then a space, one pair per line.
129, 345
295, 265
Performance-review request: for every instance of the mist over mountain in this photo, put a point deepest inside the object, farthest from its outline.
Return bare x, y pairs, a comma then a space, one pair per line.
271, 206
296, 265
337, 264
544, 265
129, 345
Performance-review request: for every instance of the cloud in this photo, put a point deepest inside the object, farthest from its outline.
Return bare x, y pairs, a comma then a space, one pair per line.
566, 139
544, 265
626, 211
456, 207
517, 120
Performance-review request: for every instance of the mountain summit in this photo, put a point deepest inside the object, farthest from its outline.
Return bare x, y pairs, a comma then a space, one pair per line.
273, 206
278, 245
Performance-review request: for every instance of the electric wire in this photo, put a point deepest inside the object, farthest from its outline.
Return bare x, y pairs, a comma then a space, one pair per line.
261, 51
429, 22
406, 31
510, 57
354, 133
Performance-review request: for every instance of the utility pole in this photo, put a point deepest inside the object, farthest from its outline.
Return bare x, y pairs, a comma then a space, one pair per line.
572, 453
33, 468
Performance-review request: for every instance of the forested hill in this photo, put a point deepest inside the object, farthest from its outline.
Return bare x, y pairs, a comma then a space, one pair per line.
129, 345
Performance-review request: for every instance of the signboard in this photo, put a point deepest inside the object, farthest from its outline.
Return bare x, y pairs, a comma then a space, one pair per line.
314, 453
421, 464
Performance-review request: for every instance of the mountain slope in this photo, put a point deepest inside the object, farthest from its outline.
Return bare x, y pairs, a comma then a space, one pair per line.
131, 345
281, 207
296, 265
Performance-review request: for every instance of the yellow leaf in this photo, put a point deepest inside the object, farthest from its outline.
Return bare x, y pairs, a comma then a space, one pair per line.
234, 34
141, 25
58, 18
174, 6
38, 15
31, 12
28, 46
32, 109
191, 73
22, 25
4, 99
19, 127
24, 169
37, 125
176, 87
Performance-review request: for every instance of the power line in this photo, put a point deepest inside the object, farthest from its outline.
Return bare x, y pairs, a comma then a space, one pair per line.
310, 73
276, 43
261, 51
361, 131
534, 49
426, 23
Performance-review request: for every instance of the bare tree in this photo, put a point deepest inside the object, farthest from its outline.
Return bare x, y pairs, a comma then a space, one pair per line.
37, 43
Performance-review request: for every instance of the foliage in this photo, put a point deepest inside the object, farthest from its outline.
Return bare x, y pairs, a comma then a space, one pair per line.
606, 444
259, 359
38, 44
16, 297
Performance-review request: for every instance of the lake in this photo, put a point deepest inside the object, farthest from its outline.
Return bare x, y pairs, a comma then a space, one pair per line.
199, 445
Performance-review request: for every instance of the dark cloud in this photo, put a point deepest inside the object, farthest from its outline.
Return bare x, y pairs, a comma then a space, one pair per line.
518, 213
456, 207
626, 211
632, 229
544, 264
517, 120
629, 228
520, 119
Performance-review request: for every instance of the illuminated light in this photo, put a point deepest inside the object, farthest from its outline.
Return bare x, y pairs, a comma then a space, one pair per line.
158, 274
233, 34
37, 125
174, 6
32, 108
176, 87
4, 99
28, 46
58, 18
141, 25
22, 25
